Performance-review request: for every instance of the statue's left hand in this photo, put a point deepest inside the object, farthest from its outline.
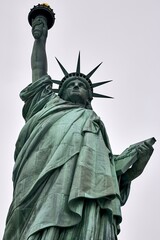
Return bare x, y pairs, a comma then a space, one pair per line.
144, 152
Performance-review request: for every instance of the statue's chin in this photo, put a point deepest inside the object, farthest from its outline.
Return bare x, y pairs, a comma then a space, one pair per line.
76, 98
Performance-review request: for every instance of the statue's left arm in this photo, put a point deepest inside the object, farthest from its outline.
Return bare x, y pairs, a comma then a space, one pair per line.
144, 152
130, 164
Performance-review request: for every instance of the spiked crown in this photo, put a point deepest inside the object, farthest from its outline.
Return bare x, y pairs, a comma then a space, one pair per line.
82, 77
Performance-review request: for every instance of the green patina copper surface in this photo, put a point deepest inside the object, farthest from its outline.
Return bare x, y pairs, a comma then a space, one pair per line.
68, 185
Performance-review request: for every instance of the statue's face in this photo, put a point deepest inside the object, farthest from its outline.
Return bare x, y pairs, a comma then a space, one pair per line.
76, 91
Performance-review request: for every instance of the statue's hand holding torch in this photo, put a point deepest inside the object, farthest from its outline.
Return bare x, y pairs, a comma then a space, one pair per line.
39, 27
41, 18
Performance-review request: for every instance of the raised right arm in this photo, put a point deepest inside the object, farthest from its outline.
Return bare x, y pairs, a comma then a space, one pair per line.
39, 57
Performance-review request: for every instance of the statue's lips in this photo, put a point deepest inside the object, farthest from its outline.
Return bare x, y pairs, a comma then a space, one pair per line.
75, 91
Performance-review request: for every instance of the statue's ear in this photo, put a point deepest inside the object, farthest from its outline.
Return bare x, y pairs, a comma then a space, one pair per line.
63, 94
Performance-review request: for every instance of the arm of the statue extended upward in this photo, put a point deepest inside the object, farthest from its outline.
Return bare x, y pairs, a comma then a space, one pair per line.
39, 57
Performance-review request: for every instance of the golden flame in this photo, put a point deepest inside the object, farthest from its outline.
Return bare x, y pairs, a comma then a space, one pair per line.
45, 4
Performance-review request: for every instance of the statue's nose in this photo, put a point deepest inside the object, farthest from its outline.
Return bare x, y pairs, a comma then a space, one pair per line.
76, 85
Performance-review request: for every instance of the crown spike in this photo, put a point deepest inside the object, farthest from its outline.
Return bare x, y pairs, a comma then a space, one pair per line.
100, 95
100, 83
93, 71
55, 90
56, 81
62, 68
78, 64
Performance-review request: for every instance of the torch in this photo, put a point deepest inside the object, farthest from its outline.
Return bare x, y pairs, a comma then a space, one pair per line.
43, 10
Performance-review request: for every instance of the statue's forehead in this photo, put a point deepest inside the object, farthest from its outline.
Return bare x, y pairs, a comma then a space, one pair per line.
76, 79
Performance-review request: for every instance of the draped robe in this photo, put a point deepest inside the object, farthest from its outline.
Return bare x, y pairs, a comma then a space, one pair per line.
64, 176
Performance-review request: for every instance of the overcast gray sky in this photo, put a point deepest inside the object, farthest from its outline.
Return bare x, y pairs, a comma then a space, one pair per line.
125, 36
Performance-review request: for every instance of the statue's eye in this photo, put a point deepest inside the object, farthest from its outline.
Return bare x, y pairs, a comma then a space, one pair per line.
70, 85
82, 85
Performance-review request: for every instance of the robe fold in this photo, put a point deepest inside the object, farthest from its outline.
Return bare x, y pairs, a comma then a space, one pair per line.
63, 163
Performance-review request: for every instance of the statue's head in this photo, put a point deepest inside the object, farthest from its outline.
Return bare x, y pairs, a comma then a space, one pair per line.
77, 87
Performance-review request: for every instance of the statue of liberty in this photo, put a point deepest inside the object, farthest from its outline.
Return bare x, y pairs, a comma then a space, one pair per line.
68, 185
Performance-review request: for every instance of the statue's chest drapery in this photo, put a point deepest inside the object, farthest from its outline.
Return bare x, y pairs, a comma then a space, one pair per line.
62, 153
54, 137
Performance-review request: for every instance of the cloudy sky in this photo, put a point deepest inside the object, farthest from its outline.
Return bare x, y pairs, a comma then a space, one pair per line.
124, 35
